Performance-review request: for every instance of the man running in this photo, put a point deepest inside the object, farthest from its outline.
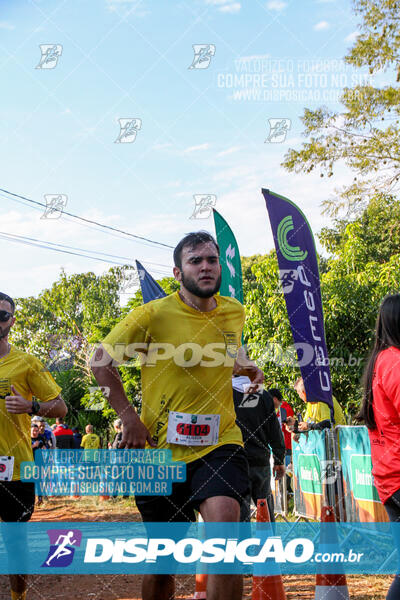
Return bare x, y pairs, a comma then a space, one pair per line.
22, 377
190, 343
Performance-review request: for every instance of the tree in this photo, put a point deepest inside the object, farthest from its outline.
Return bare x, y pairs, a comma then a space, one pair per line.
365, 135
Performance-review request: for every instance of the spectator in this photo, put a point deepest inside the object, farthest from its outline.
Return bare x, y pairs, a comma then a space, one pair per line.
380, 412
77, 438
283, 410
45, 431
116, 441
256, 417
90, 441
64, 435
36, 441
317, 415
118, 434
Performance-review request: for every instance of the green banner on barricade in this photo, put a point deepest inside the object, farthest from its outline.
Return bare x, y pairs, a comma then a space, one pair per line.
360, 496
309, 458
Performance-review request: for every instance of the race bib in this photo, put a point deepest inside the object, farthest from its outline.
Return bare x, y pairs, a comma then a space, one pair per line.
6, 468
192, 430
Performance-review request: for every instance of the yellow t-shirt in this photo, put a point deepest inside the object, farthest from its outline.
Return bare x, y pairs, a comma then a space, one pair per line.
27, 374
191, 372
90, 441
319, 411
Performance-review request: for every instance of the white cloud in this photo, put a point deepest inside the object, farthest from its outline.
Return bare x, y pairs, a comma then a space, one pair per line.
321, 26
230, 150
277, 5
231, 8
196, 148
6, 25
225, 6
352, 37
132, 7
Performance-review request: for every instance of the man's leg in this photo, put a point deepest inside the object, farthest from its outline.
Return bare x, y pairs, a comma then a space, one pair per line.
158, 587
17, 500
18, 585
222, 509
173, 508
245, 511
260, 477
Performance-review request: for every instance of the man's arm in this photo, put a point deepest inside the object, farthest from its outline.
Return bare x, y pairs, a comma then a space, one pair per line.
244, 366
135, 434
18, 405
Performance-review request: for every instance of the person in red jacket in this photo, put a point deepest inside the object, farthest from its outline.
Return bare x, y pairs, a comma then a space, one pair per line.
283, 410
381, 413
64, 435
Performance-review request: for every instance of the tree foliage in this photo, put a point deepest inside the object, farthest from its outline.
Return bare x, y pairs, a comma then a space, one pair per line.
365, 135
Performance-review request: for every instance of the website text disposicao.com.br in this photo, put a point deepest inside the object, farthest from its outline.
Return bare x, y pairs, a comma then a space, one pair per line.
213, 550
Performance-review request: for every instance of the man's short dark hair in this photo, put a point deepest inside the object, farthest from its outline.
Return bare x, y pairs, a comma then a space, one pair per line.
275, 393
192, 240
8, 299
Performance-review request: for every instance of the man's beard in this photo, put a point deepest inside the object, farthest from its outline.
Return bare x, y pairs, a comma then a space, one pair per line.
193, 288
4, 332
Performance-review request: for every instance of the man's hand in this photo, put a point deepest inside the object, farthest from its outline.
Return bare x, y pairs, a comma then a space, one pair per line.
279, 471
135, 434
17, 404
303, 426
244, 366
36, 444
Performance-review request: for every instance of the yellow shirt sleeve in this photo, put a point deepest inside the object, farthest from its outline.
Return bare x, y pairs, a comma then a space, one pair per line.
129, 336
41, 382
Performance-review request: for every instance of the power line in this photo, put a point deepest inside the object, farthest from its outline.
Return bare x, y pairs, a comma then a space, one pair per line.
64, 249
109, 227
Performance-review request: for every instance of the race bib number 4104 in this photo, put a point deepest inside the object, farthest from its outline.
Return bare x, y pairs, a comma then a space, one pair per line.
192, 430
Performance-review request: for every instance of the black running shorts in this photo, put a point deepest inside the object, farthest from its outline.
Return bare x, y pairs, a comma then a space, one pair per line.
17, 501
221, 472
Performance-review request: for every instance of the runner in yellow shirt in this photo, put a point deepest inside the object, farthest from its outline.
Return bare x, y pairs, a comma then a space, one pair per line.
90, 441
22, 380
189, 343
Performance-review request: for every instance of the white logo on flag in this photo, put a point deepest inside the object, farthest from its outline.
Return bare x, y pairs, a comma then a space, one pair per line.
232, 291
230, 253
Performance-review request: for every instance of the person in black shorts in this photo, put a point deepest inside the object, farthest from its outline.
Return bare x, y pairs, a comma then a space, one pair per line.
183, 384
22, 380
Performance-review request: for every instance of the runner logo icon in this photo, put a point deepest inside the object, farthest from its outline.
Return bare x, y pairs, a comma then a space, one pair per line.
62, 542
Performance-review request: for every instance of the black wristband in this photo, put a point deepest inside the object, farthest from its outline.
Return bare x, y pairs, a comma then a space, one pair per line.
35, 407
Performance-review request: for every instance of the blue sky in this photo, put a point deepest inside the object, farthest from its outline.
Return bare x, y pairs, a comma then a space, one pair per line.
203, 131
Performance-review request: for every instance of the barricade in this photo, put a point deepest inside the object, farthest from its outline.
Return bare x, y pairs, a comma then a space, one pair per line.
335, 465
